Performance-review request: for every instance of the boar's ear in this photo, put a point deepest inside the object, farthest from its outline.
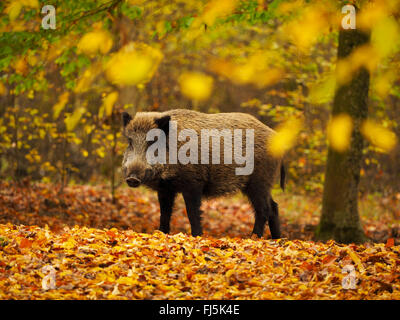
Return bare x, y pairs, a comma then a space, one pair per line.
163, 123
126, 118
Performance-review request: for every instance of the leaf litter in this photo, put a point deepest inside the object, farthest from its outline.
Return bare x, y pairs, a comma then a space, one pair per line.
79, 245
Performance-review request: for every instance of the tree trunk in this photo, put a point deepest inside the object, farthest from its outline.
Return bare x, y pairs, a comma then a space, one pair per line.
340, 219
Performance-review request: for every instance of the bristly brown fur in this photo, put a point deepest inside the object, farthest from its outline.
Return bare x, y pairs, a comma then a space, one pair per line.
212, 180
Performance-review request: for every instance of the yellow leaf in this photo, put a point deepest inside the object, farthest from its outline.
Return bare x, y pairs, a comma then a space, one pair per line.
378, 135
285, 137
267, 77
69, 244
42, 133
230, 273
382, 84
59, 106
371, 14
3, 89
130, 281
72, 119
216, 9
109, 102
134, 64
312, 22
87, 78
20, 66
32, 60
94, 42
385, 36
339, 132
257, 70
30, 3
13, 9
196, 85
100, 152
356, 260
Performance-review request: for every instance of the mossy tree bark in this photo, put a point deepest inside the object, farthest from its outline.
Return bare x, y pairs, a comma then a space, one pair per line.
340, 218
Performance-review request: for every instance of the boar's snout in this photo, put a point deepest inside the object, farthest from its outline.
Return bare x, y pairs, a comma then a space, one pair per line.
133, 182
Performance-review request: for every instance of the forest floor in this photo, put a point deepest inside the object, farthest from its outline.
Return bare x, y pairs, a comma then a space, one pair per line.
96, 249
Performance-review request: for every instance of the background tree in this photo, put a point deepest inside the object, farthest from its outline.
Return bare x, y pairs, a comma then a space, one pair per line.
340, 219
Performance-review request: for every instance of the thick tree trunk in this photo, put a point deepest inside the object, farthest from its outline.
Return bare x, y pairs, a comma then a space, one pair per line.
340, 219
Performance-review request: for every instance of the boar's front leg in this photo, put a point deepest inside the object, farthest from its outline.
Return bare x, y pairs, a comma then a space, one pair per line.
166, 198
192, 197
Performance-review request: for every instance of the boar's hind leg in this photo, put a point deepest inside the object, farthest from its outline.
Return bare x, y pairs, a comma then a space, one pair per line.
260, 204
265, 209
192, 199
273, 221
166, 197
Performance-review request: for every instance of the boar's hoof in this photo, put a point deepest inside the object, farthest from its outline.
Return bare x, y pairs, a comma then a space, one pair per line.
133, 182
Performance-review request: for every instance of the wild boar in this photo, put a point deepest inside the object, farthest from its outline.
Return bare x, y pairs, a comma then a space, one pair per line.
201, 174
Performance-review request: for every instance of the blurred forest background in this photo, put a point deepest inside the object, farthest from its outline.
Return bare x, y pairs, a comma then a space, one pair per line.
62, 90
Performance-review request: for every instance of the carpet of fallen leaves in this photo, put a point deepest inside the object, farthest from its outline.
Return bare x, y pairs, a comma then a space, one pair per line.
81, 245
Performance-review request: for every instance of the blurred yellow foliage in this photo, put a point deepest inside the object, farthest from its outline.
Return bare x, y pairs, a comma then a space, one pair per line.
364, 56
285, 137
33, 156
378, 135
196, 85
339, 132
52, 50
87, 78
385, 36
14, 7
72, 119
134, 64
135, 2
213, 10
309, 25
289, 7
21, 66
29, 3
256, 70
216, 9
59, 106
375, 10
32, 59
3, 89
382, 84
385, 40
94, 42
108, 104
323, 91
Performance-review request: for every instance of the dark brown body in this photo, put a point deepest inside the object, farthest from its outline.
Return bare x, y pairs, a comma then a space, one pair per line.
195, 181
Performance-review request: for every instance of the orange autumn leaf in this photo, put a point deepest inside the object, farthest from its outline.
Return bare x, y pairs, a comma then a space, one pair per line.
389, 243
25, 243
328, 259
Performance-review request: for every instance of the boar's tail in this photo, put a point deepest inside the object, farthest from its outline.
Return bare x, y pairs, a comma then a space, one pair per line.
283, 175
